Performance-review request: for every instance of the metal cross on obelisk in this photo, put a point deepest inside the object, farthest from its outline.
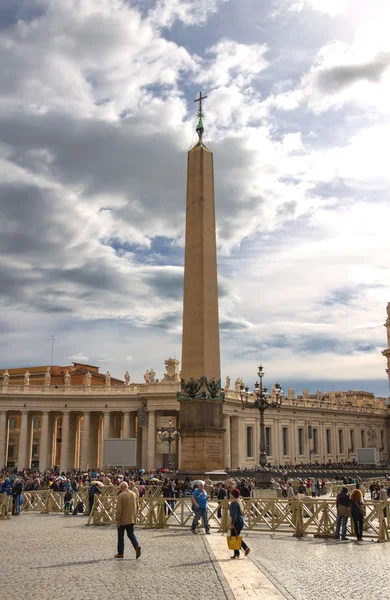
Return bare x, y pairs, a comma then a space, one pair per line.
199, 126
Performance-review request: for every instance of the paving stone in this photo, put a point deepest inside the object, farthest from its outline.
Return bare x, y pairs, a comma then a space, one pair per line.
53, 556
322, 569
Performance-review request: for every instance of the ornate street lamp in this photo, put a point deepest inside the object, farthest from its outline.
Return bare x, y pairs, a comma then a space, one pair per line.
168, 434
261, 400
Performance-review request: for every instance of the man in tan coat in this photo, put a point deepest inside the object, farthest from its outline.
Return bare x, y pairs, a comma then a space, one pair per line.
125, 518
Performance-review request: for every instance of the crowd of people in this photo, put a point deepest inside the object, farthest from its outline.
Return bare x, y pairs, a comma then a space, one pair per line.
132, 484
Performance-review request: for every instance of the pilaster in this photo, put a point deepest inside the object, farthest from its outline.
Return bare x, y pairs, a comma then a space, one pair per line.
235, 442
226, 443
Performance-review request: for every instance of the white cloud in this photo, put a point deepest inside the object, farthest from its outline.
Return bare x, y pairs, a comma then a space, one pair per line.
233, 63
330, 7
79, 357
190, 12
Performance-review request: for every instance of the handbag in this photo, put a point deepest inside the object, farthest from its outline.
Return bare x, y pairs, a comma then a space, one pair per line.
343, 511
234, 542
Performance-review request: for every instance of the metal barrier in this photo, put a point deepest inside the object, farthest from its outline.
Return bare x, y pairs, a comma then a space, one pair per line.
337, 487
296, 516
4, 503
149, 490
104, 507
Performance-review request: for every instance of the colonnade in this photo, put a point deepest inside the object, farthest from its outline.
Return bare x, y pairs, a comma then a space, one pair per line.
73, 439
292, 440
78, 436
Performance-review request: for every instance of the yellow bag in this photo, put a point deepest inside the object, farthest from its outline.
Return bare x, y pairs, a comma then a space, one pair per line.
234, 542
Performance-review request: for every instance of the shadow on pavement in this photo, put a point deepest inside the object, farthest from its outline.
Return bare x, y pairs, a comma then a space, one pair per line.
192, 564
75, 564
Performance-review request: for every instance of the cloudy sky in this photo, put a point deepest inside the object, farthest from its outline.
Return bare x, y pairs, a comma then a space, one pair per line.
96, 118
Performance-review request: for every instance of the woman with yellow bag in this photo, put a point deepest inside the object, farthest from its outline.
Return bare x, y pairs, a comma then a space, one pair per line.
236, 510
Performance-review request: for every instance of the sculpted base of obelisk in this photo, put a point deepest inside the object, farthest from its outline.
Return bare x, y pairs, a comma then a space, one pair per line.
201, 397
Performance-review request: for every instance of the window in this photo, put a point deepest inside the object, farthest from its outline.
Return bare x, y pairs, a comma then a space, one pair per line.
268, 441
315, 441
363, 438
249, 442
35, 450
328, 441
341, 442
36, 422
285, 441
12, 423
10, 452
352, 440
300, 440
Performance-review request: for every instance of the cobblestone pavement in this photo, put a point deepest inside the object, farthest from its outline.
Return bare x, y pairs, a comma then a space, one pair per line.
48, 556
310, 567
56, 556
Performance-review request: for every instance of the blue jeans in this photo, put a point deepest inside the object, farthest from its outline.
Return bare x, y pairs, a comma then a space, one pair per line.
236, 530
16, 503
343, 522
121, 537
200, 512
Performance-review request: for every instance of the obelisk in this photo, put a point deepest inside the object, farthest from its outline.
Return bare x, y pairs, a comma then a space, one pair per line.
201, 398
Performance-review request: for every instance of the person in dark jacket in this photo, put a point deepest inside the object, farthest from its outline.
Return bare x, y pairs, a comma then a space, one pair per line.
221, 495
236, 510
357, 507
93, 490
16, 496
343, 503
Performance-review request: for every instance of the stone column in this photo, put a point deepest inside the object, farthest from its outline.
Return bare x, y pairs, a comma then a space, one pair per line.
144, 454
23, 435
52, 441
106, 425
139, 446
126, 425
94, 441
78, 443
64, 460
235, 442
100, 442
84, 462
30, 433
44, 442
72, 441
152, 440
3, 438
226, 442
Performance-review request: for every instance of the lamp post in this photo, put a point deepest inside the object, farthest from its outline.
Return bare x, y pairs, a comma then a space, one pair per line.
261, 400
168, 434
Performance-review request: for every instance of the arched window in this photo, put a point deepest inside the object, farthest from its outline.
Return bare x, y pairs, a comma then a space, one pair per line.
36, 422
12, 423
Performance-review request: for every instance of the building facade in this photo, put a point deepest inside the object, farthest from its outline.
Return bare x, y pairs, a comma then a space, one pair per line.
64, 425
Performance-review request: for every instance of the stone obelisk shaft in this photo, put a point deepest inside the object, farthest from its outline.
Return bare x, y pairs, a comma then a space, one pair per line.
200, 351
